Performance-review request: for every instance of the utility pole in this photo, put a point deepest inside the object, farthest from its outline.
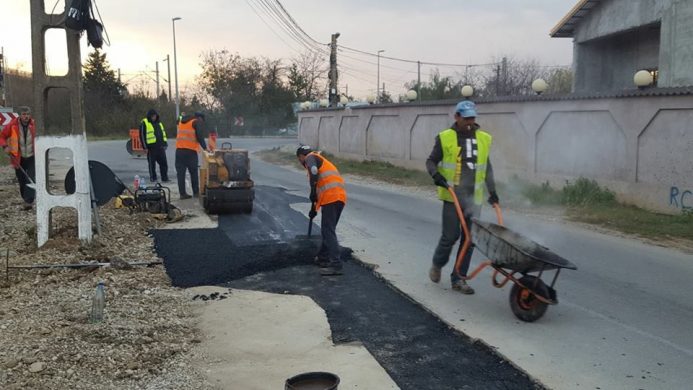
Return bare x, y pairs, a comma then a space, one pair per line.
158, 89
418, 82
498, 71
347, 91
377, 83
118, 75
505, 75
2, 77
168, 80
175, 66
332, 93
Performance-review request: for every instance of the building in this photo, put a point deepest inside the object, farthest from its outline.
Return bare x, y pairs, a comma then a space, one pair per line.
613, 39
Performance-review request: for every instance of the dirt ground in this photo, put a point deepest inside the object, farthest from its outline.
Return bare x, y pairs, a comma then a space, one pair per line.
46, 339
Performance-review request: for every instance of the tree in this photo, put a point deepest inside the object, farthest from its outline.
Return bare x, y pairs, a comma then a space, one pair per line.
438, 87
307, 75
100, 80
560, 81
104, 96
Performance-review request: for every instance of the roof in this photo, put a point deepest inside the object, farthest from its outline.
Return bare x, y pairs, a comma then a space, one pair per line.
566, 26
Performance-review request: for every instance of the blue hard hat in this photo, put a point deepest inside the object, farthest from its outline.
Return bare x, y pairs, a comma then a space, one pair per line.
466, 109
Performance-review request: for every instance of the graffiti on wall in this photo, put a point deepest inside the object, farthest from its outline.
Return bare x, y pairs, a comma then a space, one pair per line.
681, 199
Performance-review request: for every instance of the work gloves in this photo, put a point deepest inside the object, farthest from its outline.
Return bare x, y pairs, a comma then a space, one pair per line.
312, 213
493, 198
439, 180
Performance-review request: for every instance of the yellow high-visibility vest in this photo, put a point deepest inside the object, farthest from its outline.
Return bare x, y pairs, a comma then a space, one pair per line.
451, 168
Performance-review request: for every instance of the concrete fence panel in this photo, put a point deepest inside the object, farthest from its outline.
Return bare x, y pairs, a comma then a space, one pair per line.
423, 134
309, 131
328, 133
589, 144
665, 150
351, 140
510, 153
386, 137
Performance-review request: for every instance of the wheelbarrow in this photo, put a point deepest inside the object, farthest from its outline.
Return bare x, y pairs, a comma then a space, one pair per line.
517, 258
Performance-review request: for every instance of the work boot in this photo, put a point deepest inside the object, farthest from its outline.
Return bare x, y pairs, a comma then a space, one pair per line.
27, 206
462, 286
185, 196
434, 274
330, 271
322, 263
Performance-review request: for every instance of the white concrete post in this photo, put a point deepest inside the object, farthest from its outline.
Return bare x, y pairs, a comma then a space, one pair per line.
80, 200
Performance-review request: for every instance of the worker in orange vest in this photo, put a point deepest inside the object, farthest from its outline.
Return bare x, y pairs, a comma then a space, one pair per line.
327, 193
189, 141
17, 140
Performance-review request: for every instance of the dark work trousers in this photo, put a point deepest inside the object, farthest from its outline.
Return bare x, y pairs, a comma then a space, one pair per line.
27, 193
452, 230
329, 250
186, 159
157, 155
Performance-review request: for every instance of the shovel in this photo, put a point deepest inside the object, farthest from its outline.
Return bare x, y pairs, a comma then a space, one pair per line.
31, 183
310, 226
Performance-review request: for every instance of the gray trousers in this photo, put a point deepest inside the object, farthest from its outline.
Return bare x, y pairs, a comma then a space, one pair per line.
329, 250
452, 231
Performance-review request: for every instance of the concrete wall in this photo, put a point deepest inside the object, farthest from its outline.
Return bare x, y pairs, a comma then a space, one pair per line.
640, 147
619, 37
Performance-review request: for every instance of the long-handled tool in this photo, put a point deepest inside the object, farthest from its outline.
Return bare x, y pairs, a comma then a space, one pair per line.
310, 224
31, 183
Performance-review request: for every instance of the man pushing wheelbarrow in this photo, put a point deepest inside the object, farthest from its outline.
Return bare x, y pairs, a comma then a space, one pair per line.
460, 166
460, 157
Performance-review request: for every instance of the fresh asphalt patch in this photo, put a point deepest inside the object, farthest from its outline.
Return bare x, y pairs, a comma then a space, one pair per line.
417, 349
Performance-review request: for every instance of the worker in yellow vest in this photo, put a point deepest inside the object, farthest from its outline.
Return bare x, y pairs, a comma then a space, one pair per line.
155, 142
189, 141
327, 193
460, 157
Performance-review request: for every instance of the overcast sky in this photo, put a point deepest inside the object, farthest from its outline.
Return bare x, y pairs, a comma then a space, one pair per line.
441, 31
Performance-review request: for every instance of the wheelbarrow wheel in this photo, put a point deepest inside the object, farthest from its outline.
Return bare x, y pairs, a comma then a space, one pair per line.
524, 302
128, 147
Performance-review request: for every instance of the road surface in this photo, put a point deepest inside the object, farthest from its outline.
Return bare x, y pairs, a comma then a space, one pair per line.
624, 320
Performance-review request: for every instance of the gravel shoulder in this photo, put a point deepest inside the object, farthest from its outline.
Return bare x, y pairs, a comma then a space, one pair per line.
150, 329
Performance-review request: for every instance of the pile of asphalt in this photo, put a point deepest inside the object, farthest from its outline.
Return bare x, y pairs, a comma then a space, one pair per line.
416, 349
202, 257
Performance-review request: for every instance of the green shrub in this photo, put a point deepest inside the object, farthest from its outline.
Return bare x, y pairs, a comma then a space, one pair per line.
585, 192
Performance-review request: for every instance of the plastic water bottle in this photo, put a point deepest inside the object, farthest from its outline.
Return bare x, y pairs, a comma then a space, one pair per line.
143, 183
137, 182
98, 304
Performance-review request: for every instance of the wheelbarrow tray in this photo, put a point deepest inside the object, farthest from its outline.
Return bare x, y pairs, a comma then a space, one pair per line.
507, 249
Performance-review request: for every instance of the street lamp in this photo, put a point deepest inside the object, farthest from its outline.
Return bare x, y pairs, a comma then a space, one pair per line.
175, 66
377, 86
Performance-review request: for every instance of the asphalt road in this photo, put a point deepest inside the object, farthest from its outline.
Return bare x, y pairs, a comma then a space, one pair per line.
624, 317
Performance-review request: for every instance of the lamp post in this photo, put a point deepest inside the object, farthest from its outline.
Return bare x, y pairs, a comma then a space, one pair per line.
377, 85
175, 66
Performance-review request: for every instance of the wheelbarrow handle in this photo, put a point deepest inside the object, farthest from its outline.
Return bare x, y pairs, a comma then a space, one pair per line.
499, 213
467, 237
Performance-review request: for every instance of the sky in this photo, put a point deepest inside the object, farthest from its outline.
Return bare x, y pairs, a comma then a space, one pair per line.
439, 31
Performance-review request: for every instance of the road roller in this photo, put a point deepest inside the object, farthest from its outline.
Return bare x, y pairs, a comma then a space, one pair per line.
225, 184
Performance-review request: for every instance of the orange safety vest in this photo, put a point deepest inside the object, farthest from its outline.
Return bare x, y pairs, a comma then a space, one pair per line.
186, 139
330, 186
10, 137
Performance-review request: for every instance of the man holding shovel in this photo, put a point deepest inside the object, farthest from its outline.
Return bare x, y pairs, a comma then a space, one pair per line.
17, 140
327, 192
